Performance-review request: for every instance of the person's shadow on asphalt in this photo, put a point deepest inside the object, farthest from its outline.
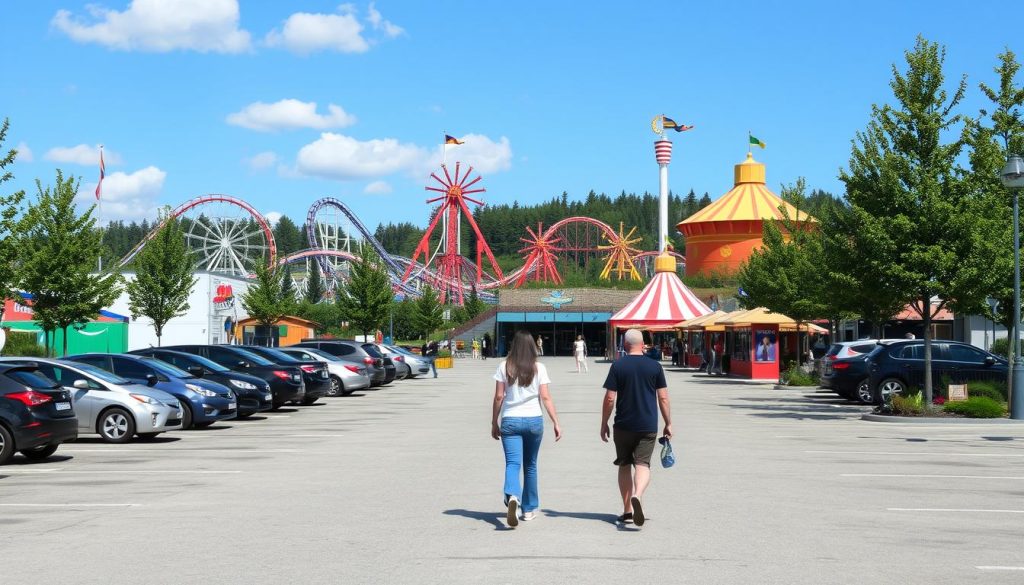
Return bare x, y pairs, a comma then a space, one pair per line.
598, 516
494, 518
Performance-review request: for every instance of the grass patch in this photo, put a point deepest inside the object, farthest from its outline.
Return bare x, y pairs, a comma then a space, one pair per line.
977, 407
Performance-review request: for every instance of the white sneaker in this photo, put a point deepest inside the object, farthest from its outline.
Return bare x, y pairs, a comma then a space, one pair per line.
512, 515
527, 516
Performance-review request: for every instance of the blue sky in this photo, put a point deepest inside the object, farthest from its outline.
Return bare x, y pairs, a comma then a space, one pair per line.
216, 96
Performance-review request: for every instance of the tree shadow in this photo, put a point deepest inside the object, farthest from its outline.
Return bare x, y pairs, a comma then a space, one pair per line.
493, 518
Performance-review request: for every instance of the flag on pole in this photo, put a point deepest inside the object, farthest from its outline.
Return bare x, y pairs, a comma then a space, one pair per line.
103, 172
755, 142
667, 123
449, 139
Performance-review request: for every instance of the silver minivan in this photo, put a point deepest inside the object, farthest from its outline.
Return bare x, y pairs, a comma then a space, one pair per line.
110, 406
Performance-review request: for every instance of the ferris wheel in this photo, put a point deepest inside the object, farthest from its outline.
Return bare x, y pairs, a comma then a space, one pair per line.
226, 235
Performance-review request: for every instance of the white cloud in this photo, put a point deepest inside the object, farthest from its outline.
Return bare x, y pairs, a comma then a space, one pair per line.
160, 26
82, 154
289, 114
127, 196
377, 188
377, 21
305, 33
24, 153
273, 217
261, 161
336, 156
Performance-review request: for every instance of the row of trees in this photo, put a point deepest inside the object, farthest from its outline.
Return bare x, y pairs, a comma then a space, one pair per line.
925, 215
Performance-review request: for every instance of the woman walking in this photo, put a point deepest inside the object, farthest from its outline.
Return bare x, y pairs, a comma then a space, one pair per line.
579, 349
521, 386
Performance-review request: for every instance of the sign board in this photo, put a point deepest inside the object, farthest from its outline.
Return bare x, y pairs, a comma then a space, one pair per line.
957, 392
447, 314
556, 299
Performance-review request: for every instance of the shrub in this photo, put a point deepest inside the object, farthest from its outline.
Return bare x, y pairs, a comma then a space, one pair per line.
23, 344
994, 390
1001, 347
977, 407
795, 376
912, 405
443, 353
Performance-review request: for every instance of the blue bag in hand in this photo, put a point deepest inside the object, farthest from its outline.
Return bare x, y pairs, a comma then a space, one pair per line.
668, 458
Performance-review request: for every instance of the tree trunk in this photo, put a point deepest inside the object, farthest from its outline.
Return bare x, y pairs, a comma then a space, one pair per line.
1011, 332
46, 341
926, 314
65, 344
799, 346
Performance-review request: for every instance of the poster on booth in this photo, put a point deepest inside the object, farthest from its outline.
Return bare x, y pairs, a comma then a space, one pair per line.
764, 348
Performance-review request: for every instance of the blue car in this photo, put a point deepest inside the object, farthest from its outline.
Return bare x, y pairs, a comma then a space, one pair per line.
203, 402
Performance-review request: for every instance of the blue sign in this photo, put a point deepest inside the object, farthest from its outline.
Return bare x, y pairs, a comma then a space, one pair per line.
556, 299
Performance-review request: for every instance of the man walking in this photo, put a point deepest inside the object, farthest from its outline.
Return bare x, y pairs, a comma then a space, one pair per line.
431, 352
636, 390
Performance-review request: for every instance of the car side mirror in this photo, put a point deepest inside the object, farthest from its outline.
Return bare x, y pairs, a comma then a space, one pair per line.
990, 361
151, 380
196, 371
243, 364
80, 384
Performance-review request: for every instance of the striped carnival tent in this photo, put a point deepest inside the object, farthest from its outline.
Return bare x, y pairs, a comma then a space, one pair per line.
663, 303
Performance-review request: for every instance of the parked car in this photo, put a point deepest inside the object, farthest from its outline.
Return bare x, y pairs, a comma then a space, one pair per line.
898, 365
390, 371
202, 402
36, 414
402, 369
254, 394
346, 376
114, 408
353, 351
418, 365
314, 373
285, 381
844, 369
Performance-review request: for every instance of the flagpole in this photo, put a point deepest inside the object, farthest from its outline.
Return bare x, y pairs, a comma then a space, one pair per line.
750, 145
444, 148
99, 211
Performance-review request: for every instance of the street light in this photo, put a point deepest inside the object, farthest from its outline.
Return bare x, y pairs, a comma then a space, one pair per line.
1013, 179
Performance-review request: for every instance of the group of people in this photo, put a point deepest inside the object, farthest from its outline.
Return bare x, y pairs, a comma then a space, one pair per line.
481, 347
635, 390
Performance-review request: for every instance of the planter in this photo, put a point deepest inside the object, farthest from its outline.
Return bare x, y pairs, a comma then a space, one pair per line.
443, 363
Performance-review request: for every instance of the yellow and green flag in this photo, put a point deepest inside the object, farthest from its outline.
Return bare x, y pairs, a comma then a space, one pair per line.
755, 142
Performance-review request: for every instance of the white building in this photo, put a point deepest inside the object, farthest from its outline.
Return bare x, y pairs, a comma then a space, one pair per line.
214, 308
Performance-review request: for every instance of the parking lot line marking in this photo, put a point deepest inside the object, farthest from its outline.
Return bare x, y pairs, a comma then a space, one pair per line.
197, 449
1018, 478
995, 568
70, 505
955, 510
916, 453
315, 436
153, 471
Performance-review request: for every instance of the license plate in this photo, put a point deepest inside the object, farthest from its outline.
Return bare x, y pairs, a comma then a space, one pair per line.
232, 405
62, 405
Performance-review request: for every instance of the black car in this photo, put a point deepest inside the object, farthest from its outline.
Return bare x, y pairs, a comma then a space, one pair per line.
314, 374
285, 381
36, 414
353, 351
844, 369
390, 371
896, 366
253, 393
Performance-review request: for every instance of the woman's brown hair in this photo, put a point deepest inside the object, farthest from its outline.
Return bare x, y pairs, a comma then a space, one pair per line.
521, 363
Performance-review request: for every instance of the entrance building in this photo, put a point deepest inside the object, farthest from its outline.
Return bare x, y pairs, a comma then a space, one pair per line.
557, 316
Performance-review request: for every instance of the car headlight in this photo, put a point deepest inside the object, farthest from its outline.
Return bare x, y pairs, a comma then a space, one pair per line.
145, 399
242, 384
201, 391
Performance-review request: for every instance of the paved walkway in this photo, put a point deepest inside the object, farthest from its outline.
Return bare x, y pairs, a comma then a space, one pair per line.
403, 485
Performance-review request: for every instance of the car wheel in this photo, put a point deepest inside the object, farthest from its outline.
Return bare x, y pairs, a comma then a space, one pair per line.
186, 416
6, 445
116, 426
863, 392
890, 387
337, 387
148, 436
40, 453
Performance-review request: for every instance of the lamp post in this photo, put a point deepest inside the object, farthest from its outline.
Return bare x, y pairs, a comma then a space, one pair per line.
1013, 178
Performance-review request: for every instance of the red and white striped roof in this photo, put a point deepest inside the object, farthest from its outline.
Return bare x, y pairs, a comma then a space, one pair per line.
664, 302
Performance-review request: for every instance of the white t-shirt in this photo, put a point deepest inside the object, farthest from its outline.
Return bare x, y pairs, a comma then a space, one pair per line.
580, 347
522, 400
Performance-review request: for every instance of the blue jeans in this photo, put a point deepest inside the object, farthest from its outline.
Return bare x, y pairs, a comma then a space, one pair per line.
433, 366
521, 437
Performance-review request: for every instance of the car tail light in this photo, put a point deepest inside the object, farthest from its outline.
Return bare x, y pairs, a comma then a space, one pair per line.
398, 358
833, 357
840, 365
30, 398
368, 360
308, 369
282, 374
354, 369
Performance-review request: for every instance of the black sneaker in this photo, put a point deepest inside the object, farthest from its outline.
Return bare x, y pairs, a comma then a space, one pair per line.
638, 511
512, 515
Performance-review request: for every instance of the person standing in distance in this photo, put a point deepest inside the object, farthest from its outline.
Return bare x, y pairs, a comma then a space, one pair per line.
520, 388
579, 350
636, 390
431, 352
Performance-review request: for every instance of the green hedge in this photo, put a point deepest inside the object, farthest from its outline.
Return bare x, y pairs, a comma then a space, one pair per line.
912, 405
977, 407
994, 390
22, 344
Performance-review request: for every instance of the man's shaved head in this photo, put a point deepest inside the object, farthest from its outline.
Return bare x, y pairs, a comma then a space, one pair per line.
634, 338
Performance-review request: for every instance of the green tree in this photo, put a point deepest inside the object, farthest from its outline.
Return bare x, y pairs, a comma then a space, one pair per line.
10, 227
288, 237
473, 305
164, 277
327, 316
428, 315
315, 289
913, 214
366, 300
289, 296
262, 300
60, 250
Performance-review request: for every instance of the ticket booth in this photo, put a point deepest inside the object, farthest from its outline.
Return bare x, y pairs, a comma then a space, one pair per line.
755, 351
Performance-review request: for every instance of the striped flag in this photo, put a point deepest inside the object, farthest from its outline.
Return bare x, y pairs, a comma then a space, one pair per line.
103, 172
449, 139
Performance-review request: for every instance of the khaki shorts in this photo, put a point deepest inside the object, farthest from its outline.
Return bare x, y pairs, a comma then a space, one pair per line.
632, 448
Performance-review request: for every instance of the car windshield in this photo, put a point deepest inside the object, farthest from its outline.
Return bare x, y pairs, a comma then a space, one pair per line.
277, 355
322, 353
399, 350
201, 361
835, 349
101, 374
33, 379
167, 369
371, 349
252, 358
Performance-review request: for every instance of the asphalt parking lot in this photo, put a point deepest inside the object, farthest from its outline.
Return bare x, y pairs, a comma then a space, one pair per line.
403, 485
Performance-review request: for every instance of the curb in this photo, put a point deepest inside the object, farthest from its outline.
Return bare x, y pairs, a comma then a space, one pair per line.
885, 418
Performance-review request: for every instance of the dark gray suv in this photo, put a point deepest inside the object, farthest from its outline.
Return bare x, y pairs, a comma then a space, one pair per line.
353, 351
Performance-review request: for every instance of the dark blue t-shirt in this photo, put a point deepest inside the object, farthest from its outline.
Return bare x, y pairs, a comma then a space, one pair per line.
636, 379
